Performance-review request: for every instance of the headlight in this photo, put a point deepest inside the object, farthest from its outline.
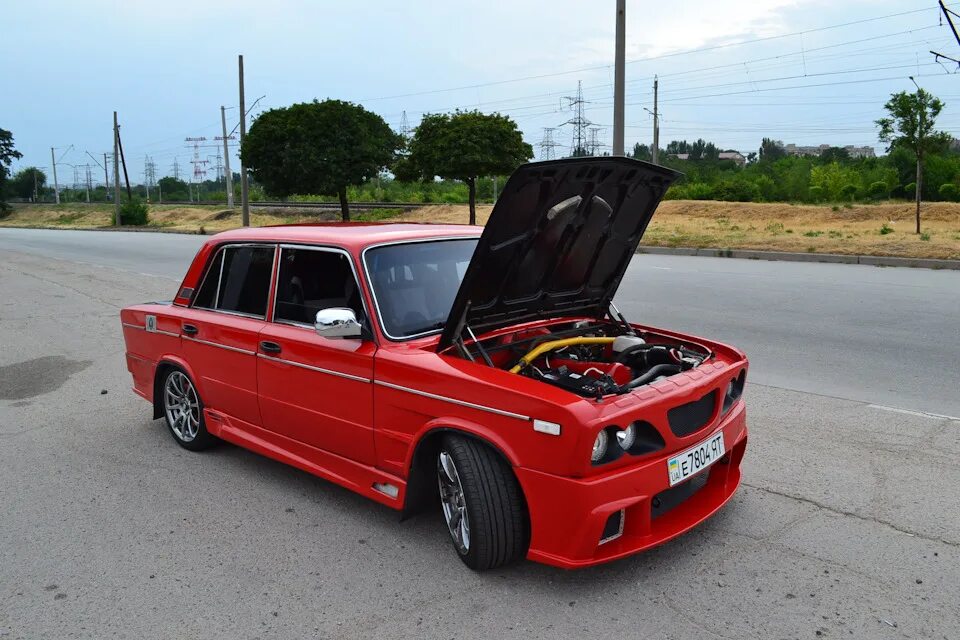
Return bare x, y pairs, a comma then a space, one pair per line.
599, 447
734, 391
626, 437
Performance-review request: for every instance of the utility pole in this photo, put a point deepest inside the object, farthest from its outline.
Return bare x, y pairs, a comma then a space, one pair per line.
56, 185
244, 183
116, 171
655, 152
226, 157
618, 79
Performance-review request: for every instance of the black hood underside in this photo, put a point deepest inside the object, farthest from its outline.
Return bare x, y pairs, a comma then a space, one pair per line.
558, 242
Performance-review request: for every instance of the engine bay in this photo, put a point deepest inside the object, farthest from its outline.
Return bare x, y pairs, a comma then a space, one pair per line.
591, 358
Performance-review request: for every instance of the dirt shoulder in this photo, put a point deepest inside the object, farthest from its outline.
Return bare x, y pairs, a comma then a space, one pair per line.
873, 230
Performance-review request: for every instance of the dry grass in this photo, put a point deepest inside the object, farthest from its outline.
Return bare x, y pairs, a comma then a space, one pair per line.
677, 223
782, 227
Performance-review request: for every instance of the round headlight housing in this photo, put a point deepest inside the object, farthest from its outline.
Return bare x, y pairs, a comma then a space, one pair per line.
627, 437
599, 447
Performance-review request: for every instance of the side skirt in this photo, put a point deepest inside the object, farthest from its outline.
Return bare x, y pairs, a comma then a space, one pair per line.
323, 464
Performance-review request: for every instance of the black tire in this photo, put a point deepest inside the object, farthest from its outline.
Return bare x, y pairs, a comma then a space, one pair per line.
492, 500
182, 410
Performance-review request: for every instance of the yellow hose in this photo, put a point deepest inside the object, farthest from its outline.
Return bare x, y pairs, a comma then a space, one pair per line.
555, 344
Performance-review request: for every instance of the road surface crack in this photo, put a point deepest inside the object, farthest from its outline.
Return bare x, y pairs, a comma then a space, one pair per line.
852, 514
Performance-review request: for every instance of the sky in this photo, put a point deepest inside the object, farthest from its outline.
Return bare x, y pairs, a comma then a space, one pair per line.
730, 71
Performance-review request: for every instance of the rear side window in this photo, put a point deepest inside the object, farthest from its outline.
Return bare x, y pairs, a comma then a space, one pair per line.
238, 280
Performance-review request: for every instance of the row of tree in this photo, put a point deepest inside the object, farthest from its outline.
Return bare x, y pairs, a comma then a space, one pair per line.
339, 148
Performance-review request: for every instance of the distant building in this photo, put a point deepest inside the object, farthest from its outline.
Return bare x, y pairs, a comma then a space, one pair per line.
854, 151
736, 156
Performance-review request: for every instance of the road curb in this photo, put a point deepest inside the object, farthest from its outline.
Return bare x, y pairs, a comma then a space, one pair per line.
785, 256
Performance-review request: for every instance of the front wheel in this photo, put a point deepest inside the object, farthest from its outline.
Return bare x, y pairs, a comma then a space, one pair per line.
482, 504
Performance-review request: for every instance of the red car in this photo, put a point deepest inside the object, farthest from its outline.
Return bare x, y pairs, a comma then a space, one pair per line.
489, 372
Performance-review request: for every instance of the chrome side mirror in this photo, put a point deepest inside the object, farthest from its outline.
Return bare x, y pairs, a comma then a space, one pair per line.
337, 322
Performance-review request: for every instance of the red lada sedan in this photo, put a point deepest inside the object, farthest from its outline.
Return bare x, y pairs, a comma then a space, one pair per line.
489, 372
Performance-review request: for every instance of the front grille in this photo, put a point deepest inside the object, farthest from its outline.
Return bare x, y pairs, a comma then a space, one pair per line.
693, 416
673, 497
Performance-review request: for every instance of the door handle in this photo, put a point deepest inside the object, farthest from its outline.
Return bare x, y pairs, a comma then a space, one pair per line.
190, 330
270, 347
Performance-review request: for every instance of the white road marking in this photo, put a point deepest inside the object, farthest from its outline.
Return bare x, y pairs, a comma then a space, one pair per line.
921, 414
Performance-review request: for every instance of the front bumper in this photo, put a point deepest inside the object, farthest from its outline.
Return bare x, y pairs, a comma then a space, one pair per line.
568, 515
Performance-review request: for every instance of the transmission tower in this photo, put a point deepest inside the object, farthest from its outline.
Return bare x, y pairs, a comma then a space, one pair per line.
548, 144
199, 166
175, 169
149, 175
579, 122
593, 141
404, 126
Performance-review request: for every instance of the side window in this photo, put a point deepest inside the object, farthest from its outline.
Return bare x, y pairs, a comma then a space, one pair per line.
207, 295
238, 280
310, 280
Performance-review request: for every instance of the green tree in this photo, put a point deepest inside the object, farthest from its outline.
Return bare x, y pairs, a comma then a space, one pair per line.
771, 150
174, 189
8, 154
318, 148
642, 152
910, 125
834, 154
28, 183
465, 145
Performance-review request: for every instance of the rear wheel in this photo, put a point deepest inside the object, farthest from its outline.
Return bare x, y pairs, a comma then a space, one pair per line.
482, 504
183, 411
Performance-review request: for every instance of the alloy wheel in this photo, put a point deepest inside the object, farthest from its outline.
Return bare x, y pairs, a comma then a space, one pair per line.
453, 501
181, 406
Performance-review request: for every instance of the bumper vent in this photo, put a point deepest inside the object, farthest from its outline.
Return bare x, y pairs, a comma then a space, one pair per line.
693, 416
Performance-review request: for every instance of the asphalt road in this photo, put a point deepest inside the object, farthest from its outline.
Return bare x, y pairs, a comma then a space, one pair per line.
888, 336
847, 524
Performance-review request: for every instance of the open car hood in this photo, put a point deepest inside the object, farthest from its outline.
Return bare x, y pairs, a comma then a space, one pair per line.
558, 242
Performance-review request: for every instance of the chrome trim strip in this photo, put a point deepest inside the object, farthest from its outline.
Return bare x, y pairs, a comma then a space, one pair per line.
373, 291
142, 328
294, 363
222, 346
462, 403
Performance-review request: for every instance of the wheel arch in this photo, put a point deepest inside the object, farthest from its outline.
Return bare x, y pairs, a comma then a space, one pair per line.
166, 363
421, 483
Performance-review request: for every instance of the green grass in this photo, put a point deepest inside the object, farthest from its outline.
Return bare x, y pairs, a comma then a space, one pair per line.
375, 215
885, 229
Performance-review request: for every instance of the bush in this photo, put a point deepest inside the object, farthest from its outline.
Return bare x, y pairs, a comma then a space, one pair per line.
737, 191
133, 212
848, 191
910, 190
949, 191
879, 190
816, 193
885, 229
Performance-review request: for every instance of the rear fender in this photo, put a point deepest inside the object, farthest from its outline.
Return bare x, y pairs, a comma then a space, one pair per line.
165, 362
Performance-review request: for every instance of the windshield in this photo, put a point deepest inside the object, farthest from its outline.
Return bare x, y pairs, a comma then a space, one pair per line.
414, 283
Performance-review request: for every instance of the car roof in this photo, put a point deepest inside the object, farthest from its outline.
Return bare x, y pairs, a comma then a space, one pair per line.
354, 236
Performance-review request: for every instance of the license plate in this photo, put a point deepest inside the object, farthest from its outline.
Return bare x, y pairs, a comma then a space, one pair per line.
695, 459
